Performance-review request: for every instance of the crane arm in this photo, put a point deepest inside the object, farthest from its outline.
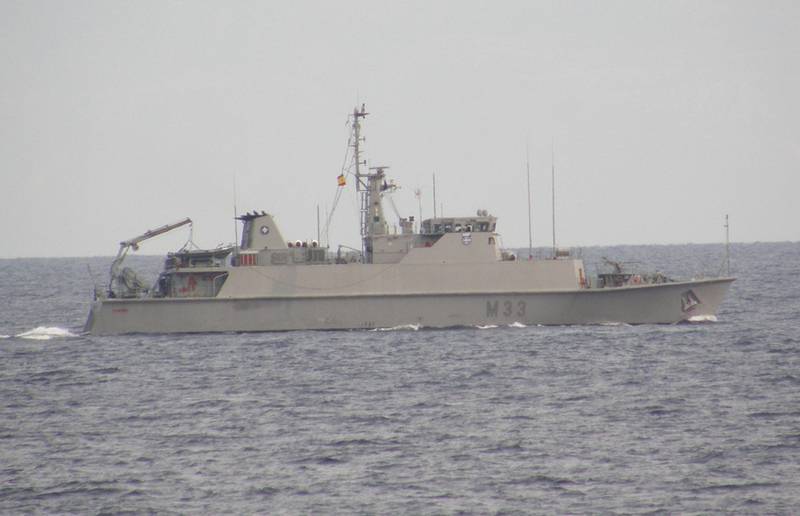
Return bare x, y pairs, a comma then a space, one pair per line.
150, 233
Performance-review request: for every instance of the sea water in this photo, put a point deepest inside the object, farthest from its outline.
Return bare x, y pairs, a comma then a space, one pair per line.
698, 417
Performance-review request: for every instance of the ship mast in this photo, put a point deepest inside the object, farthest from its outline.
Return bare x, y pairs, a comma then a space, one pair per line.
361, 179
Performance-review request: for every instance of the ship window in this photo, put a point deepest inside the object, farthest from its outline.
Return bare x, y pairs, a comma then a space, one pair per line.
468, 228
493, 226
458, 228
437, 228
448, 228
491, 240
483, 227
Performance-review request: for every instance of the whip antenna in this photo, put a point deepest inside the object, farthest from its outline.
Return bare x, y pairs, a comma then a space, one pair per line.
235, 215
727, 247
434, 195
530, 220
553, 188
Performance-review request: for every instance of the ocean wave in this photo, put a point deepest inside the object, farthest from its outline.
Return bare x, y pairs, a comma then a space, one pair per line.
45, 333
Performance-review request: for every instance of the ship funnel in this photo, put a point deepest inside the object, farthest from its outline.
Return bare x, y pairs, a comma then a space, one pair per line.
260, 232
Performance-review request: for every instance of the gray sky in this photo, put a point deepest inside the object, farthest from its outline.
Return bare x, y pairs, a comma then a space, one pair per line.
116, 117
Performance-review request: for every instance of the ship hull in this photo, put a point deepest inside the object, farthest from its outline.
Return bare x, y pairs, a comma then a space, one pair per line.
642, 304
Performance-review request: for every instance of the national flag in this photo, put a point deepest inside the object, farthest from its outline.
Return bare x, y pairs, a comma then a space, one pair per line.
340, 180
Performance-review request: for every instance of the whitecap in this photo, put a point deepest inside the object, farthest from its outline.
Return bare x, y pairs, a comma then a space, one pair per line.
517, 325
5, 336
487, 327
45, 333
703, 318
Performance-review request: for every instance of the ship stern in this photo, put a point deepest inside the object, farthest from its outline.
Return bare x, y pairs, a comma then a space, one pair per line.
94, 309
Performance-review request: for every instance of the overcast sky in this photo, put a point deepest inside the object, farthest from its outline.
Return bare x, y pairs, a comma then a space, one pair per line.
116, 117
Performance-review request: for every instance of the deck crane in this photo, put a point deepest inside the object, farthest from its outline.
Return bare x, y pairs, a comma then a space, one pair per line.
124, 282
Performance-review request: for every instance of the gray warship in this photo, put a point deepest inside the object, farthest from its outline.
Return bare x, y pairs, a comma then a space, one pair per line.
436, 273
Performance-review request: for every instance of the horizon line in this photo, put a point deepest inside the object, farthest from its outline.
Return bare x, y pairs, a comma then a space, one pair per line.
548, 247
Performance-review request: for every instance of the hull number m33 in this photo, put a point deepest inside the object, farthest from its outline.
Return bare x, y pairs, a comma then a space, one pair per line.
505, 308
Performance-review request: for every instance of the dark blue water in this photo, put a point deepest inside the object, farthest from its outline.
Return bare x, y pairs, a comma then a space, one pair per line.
630, 419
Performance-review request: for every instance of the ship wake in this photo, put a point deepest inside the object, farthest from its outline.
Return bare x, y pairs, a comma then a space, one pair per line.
493, 326
402, 327
43, 333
